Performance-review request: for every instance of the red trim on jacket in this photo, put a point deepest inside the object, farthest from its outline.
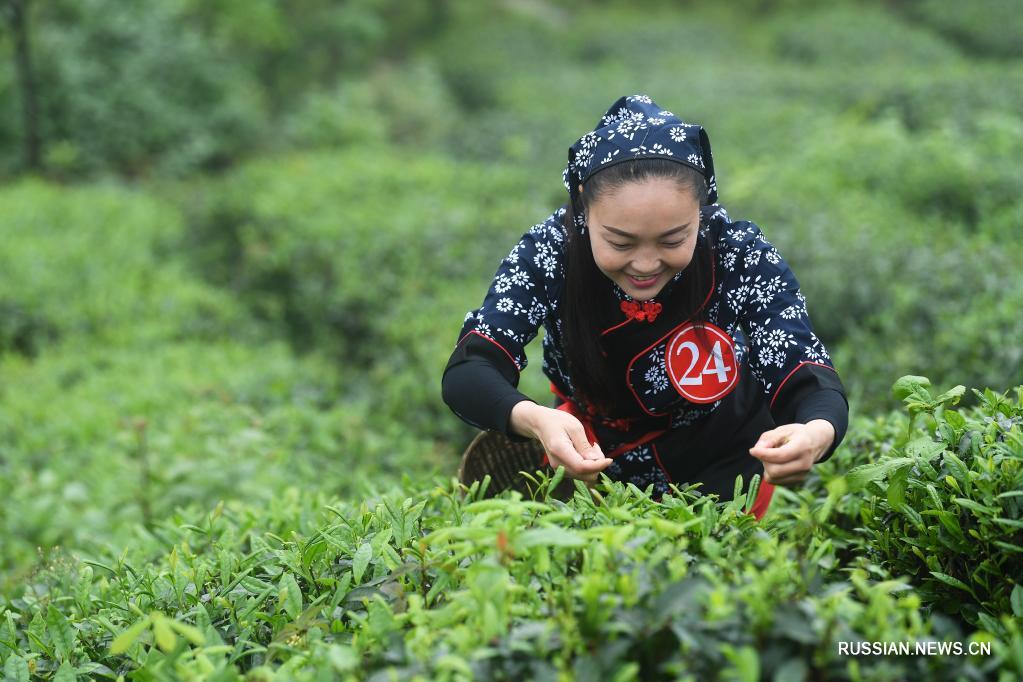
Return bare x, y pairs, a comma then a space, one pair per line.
651, 435
555, 391
484, 336
620, 324
804, 362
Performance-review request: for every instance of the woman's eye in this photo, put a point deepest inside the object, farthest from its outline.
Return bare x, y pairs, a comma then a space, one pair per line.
670, 245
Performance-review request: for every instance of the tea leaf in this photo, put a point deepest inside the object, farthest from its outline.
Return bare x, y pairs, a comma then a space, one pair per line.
16, 668
65, 673
956, 420
751, 493
976, 507
897, 487
551, 537
60, 631
952, 395
128, 637
290, 595
555, 480
162, 633
189, 632
909, 384
859, 476
1009, 547
361, 560
342, 658
954, 582
1013, 523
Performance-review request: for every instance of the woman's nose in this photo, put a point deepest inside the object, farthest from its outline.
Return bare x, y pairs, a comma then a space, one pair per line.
647, 264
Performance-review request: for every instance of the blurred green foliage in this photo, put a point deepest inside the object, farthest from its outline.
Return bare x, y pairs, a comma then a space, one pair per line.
258, 226
97, 265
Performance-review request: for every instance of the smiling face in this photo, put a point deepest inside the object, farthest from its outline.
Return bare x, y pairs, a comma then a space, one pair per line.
643, 233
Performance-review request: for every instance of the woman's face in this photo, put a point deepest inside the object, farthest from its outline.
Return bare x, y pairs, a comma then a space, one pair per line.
644, 229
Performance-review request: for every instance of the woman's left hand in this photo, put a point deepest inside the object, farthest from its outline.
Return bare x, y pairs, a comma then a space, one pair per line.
789, 450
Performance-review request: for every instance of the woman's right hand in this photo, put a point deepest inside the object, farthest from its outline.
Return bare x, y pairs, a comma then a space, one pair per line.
563, 437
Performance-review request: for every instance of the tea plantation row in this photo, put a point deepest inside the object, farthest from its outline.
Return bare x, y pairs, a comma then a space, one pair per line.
433, 582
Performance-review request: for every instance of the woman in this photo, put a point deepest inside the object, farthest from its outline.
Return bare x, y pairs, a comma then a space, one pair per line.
677, 341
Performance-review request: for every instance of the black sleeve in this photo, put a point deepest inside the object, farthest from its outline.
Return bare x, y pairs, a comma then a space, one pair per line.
813, 392
480, 385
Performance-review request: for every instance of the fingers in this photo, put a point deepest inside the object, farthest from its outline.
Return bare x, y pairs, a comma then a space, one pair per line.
775, 473
775, 437
563, 451
574, 462
593, 452
786, 453
792, 479
582, 445
565, 440
778, 445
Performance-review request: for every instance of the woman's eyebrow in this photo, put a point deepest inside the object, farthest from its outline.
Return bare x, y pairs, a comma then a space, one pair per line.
670, 232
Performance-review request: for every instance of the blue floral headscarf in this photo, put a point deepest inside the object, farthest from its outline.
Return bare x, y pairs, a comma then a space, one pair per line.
636, 127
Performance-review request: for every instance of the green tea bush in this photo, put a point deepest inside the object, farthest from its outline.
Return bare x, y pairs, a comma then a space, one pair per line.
861, 34
947, 509
366, 256
984, 27
932, 497
96, 264
407, 104
966, 92
136, 88
101, 445
904, 308
443, 585
10, 112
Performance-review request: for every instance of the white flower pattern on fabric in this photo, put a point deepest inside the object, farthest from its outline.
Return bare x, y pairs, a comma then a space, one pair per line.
737, 235
764, 294
751, 258
545, 259
522, 294
795, 310
657, 375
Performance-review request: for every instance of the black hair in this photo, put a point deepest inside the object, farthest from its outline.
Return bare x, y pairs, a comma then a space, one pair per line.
583, 314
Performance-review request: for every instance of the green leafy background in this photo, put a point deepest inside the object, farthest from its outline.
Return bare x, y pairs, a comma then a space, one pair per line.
230, 285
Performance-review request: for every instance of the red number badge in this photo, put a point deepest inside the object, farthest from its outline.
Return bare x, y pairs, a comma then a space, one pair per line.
702, 365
